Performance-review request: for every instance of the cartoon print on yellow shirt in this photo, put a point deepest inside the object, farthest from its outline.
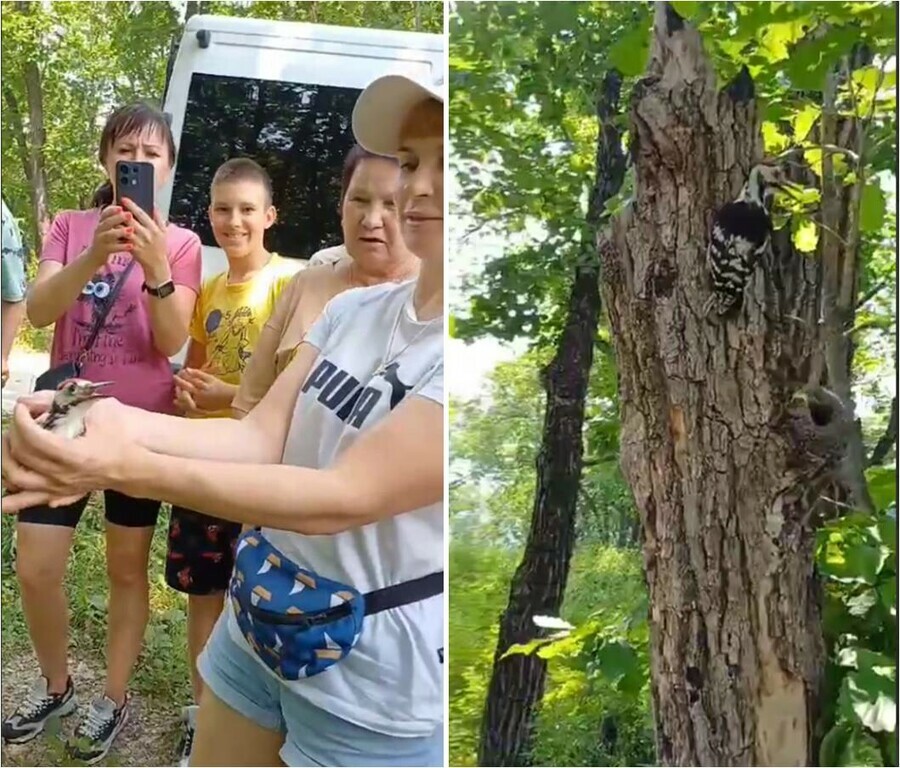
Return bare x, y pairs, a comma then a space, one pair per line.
229, 334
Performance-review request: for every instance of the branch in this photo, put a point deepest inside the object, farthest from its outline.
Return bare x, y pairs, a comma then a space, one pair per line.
871, 294
883, 446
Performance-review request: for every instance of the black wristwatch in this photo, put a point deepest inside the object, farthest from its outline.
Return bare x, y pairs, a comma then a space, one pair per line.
161, 291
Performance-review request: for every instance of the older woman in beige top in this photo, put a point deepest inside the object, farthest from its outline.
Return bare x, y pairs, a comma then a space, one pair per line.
367, 198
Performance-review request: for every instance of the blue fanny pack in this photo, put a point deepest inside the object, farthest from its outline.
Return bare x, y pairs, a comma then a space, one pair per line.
298, 622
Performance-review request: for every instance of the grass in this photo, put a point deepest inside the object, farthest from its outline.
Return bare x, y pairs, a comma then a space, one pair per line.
162, 669
31, 339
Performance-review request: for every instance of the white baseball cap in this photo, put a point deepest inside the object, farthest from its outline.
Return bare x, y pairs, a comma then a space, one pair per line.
383, 106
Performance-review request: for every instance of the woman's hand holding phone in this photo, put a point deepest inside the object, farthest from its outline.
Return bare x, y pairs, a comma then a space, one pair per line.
148, 242
113, 234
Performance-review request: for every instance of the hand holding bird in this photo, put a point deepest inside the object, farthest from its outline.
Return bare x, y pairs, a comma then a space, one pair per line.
41, 461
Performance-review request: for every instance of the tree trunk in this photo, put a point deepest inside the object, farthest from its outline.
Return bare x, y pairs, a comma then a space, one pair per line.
539, 584
36, 138
724, 449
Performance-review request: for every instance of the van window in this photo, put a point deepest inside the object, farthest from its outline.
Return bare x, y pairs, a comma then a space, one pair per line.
299, 133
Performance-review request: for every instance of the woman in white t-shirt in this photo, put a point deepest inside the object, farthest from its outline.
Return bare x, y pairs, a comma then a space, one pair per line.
330, 648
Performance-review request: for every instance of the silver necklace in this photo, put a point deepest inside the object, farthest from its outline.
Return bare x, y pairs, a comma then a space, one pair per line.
387, 358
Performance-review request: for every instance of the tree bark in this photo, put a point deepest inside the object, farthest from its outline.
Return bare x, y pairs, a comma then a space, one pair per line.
30, 138
40, 200
723, 446
539, 584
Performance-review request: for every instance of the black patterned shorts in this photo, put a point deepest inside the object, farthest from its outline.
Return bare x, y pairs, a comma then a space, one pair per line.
200, 553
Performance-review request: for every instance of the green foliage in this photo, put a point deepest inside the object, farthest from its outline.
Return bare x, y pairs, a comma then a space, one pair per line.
583, 700
857, 556
493, 444
523, 78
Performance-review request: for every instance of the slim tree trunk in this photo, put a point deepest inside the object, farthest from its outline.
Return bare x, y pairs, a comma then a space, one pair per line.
539, 584
40, 200
723, 445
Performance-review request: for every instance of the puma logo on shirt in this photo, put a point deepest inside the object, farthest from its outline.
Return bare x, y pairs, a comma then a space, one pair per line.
343, 395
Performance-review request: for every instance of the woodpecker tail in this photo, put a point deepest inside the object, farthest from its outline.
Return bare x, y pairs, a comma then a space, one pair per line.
719, 306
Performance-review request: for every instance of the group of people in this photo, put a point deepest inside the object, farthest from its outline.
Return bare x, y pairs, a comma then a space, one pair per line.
300, 446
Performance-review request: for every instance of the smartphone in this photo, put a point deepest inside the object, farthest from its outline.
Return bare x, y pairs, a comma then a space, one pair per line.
135, 181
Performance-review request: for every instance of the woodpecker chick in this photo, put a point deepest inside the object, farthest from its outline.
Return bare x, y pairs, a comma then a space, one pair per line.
741, 232
71, 403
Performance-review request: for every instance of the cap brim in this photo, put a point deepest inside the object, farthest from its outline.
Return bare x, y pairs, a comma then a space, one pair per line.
383, 106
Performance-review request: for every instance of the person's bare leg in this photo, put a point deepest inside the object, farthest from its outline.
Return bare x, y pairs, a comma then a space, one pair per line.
203, 612
127, 556
42, 554
226, 737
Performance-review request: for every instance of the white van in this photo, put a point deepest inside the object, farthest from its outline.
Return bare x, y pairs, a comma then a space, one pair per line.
281, 93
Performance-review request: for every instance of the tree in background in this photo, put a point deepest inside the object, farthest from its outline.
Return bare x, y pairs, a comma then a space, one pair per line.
539, 584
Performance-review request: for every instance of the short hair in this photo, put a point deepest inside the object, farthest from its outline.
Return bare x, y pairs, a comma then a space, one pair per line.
354, 157
243, 169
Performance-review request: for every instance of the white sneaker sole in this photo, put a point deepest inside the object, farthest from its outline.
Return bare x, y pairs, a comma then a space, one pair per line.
64, 711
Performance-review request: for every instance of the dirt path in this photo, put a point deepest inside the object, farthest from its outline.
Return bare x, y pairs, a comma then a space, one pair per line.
149, 739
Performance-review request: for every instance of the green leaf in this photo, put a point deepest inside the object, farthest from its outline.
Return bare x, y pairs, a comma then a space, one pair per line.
804, 120
872, 208
776, 39
616, 660
687, 9
851, 559
869, 698
861, 604
882, 482
835, 745
629, 53
806, 236
451, 326
865, 660
525, 649
775, 141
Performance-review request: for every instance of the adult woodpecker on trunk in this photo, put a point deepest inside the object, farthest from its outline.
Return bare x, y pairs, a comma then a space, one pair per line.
71, 403
740, 236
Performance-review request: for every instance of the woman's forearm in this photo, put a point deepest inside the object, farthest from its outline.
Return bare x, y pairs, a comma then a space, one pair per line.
307, 501
50, 297
217, 439
170, 318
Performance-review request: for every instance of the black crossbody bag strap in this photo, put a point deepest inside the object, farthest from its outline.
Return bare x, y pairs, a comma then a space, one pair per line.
404, 593
104, 313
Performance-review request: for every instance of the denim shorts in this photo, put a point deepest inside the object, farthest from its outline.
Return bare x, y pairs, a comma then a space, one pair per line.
313, 737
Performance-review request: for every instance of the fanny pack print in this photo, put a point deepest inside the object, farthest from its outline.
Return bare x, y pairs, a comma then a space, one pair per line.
299, 623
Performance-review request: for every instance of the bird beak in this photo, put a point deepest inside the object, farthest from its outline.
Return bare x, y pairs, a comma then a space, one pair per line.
98, 385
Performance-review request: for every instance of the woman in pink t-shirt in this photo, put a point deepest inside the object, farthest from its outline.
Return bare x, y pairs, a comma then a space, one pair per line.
83, 256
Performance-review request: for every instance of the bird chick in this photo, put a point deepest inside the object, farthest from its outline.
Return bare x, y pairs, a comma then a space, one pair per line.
71, 403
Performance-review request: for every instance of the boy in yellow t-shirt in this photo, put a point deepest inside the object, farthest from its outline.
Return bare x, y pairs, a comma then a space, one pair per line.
230, 313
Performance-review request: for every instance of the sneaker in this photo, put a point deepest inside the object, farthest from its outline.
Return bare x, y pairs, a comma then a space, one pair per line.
189, 720
31, 716
95, 734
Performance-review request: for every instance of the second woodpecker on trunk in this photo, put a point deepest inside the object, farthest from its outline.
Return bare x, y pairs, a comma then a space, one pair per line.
71, 403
